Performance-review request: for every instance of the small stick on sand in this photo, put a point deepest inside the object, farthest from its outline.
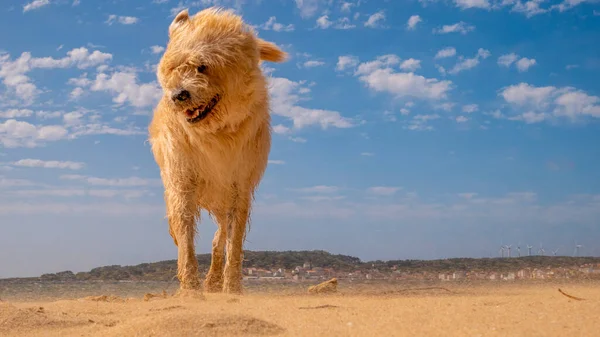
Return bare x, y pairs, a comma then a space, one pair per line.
324, 306
570, 296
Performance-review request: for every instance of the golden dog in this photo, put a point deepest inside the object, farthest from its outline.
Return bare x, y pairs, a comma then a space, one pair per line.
211, 137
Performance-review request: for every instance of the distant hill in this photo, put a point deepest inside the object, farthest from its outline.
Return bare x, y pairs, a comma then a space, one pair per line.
166, 270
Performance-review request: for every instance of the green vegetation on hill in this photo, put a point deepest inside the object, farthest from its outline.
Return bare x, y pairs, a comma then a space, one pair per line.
166, 270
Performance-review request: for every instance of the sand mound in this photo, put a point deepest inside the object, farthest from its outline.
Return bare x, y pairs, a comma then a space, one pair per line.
14, 320
194, 324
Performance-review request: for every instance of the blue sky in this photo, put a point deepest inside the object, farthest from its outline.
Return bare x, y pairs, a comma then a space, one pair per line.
402, 129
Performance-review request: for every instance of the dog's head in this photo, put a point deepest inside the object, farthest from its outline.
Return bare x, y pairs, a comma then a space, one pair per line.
211, 64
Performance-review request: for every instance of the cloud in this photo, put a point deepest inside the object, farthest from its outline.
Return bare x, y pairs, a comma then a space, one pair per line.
507, 60
459, 27
524, 64
379, 76
367, 154
308, 8
125, 87
272, 24
528, 8
157, 49
465, 64
542, 103
13, 73
470, 108
15, 133
461, 119
323, 22
375, 20
320, 189
383, 190
465, 4
276, 162
36, 4
116, 182
285, 97
446, 52
345, 62
313, 63
15, 113
410, 64
421, 122
412, 22
124, 20
49, 164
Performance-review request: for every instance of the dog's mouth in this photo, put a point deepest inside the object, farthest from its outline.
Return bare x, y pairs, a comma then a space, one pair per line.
199, 113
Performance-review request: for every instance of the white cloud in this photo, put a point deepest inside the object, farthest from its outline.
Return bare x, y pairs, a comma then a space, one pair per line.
15, 133
542, 103
49, 164
313, 63
36, 4
125, 88
421, 122
507, 60
446, 52
367, 154
276, 162
76, 93
465, 64
470, 108
124, 20
524, 64
320, 189
379, 76
116, 182
13, 73
157, 49
15, 113
323, 22
459, 27
383, 190
410, 64
345, 62
525, 94
307, 8
464, 4
412, 22
375, 20
285, 96
571, 66
461, 119
272, 24
528, 8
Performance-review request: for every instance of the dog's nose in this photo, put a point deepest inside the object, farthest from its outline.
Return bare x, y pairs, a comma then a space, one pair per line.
180, 95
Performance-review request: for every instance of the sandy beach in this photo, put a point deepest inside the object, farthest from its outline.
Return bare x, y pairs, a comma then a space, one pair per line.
393, 310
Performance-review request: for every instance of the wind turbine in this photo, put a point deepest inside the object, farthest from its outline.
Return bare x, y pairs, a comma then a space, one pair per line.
577, 248
508, 248
502, 251
541, 250
519, 249
555, 251
529, 249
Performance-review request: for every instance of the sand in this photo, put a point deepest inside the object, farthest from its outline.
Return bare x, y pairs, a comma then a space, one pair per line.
482, 310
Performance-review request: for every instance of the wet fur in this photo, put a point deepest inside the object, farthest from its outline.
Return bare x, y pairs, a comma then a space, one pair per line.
216, 163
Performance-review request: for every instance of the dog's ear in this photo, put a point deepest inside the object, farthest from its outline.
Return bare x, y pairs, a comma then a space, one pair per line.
181, 19
270, 52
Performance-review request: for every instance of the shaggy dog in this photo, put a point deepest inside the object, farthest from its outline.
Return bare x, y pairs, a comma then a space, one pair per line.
211, 137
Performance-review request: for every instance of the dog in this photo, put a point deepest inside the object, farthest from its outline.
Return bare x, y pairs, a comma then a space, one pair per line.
211, 136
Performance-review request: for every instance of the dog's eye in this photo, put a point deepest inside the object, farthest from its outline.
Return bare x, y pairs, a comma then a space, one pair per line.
201, 69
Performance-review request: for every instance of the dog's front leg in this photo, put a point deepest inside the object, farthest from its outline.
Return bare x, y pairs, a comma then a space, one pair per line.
235, 241
182, 212
214, 278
